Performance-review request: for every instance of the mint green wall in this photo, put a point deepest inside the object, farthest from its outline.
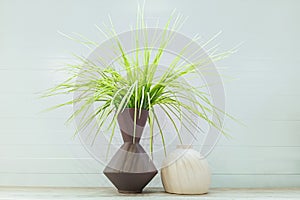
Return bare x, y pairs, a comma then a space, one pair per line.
36, 149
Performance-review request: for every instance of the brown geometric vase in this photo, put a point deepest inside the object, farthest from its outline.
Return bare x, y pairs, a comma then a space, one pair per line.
131, 169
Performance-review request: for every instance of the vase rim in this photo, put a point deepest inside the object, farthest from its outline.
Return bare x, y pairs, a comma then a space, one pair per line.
136, 108
184, 146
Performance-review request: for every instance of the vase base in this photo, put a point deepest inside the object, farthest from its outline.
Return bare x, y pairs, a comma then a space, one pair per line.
187, 192
130, 182
129, 191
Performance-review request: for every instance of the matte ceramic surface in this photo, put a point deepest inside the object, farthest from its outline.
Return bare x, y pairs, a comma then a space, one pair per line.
131, 169
185, 171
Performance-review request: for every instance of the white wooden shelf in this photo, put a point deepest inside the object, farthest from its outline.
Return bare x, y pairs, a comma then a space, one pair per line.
41, 193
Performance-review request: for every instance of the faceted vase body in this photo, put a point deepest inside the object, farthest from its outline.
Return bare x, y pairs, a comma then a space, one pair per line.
131, 169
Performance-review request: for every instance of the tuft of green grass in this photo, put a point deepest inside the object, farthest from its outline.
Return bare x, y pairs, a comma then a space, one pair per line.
139, 87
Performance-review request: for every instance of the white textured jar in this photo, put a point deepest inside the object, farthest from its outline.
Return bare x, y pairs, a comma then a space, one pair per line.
185, 171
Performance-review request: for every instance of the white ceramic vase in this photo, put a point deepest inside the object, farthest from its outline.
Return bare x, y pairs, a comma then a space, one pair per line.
185, 171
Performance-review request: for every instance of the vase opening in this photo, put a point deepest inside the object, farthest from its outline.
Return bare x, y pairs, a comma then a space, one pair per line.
184, 146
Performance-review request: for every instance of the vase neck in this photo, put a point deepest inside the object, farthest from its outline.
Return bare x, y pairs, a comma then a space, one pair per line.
130, 139
132, 122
